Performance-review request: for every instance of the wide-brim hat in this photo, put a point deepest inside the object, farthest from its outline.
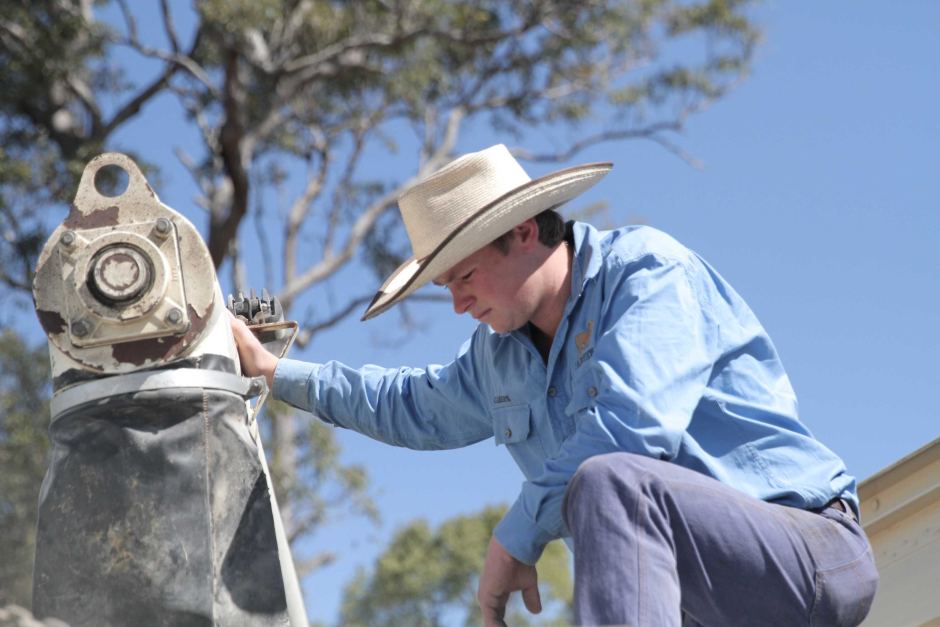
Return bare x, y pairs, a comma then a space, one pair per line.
467, 204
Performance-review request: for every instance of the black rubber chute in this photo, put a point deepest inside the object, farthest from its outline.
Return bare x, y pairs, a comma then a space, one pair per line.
155, 510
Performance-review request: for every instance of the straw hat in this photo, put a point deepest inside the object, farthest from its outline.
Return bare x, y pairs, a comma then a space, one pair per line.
467, 204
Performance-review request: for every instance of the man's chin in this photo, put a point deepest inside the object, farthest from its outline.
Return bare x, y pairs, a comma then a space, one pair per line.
503, 327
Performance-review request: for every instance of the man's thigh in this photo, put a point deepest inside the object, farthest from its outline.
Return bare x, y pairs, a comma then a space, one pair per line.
741, 560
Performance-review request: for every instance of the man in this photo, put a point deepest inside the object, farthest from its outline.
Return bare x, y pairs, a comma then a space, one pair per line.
637, 392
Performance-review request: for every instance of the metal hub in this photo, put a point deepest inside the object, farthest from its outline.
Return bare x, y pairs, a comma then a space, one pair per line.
119, 274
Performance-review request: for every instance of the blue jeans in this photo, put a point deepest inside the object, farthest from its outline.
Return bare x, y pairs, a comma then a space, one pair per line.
657, 544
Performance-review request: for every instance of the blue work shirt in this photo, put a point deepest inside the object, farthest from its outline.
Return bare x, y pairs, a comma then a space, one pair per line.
656, 354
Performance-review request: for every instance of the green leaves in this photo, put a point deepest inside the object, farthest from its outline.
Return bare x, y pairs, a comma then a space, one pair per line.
429, 577
24, 410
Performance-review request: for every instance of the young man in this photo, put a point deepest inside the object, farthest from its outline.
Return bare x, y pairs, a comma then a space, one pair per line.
637, 392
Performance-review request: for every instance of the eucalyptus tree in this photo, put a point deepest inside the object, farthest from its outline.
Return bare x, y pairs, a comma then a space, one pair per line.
304, 121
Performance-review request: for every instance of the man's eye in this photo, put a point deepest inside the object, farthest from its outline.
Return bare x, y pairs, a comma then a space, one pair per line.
467, 276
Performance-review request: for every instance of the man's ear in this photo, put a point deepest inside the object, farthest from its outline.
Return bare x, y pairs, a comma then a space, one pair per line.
527, 233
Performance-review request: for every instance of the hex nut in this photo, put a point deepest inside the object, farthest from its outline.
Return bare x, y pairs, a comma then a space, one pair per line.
162, 227
174, 316
80, 328
68, 238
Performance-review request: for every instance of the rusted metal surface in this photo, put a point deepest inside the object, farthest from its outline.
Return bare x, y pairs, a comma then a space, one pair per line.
158, 350
91, 220
51, 321
110, 290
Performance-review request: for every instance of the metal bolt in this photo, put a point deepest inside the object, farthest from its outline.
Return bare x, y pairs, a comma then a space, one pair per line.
257, 386
68, 238
174, 316
80, 328
163, 227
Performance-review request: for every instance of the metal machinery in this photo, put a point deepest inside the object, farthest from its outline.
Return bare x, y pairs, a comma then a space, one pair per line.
157, 506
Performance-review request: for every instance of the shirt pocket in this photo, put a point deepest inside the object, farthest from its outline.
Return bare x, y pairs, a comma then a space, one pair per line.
511, 424
512, 428
584, 390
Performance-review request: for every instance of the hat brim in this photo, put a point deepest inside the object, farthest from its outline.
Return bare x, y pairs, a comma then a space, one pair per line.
484, 226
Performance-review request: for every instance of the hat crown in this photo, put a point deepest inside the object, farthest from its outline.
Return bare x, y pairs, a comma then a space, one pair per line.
438, 205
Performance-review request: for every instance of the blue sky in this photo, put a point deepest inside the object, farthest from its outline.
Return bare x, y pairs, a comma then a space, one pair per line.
818, 201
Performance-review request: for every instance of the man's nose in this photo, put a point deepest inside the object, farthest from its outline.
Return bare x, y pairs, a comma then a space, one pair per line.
462, 300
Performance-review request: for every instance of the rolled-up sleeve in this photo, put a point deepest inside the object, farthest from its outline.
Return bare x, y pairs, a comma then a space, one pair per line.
421, 408
652, 360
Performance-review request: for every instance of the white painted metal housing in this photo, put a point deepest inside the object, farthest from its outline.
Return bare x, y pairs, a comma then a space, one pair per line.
901, 515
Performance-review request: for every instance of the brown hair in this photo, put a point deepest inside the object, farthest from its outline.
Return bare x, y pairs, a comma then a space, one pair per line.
551, 231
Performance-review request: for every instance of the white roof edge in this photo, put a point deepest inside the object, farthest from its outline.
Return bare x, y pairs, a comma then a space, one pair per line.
899, 491
904, 467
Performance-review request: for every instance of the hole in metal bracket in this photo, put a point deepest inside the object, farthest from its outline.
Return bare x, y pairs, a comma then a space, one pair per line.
111, 181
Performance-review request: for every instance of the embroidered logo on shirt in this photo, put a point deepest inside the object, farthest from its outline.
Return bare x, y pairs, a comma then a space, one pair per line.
502, 399
581, 339
587, 355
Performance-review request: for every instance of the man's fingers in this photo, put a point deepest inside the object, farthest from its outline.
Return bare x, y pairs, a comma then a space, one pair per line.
493, 607
493, 610
492, 617
532, 599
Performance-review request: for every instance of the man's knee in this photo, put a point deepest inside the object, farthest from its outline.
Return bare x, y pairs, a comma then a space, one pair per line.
603, 471
602, 478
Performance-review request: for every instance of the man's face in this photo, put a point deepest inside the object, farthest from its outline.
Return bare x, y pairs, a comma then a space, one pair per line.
500, 289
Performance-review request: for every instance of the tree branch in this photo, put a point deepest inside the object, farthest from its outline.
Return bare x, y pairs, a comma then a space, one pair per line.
309, 330
169, 28
174, 63
367, 218
300, 208
320, 560
225, 228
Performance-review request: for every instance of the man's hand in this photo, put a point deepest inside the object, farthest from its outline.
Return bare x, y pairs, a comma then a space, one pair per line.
503, 574
255, 359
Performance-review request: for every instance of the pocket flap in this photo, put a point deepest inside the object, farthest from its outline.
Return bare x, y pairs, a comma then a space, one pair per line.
584, 390
511, 424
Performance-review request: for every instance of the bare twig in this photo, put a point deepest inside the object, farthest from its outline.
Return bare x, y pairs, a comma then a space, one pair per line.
174, 63
261, 233
309, 330
299, 210
345, 182
201, 181
168, 26
183, 61
320, 560
129, 20
647, 132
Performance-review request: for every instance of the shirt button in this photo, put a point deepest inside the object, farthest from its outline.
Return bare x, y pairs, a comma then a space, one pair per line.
592, 391
508, 433
552, 391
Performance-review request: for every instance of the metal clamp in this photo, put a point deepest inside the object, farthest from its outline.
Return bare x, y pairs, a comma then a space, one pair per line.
155, 380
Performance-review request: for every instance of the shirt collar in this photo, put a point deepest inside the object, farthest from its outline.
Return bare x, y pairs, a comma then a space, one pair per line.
586, 262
